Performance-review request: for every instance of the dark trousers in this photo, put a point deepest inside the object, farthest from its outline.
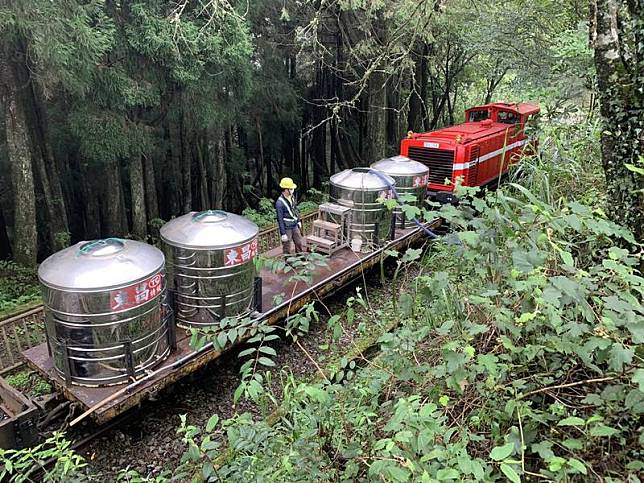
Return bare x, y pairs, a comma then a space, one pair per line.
294, 236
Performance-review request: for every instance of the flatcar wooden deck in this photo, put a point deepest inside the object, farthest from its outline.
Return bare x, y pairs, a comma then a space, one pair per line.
341, 268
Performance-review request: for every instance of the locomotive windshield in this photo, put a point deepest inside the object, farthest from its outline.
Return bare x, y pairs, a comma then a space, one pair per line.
480, 115
507, 117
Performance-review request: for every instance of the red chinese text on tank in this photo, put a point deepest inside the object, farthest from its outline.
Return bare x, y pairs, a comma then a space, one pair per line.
240, 254
136, 294
420, 181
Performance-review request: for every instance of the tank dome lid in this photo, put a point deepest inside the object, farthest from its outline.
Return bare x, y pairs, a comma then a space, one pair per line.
100, 264
400, 166
362, 179
208, 230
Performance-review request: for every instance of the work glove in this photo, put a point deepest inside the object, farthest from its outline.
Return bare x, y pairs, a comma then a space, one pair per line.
284, 238
299, 224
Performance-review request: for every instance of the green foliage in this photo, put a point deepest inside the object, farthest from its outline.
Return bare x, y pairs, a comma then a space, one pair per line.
21, 465
522, 359
18, 286
263, 215
564, 166
28, 382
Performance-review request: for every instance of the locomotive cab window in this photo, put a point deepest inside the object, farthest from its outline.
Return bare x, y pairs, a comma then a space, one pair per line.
480, 115
506, 117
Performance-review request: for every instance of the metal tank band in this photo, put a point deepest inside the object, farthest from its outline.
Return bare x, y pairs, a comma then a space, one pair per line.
411, 179
362, 191
211, 266
107, 317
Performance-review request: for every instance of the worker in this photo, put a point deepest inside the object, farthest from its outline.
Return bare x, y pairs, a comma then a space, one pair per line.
288, 217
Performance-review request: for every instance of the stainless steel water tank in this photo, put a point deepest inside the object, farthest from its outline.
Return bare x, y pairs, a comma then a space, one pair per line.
411, 179
362, 190
210, 265
106, 314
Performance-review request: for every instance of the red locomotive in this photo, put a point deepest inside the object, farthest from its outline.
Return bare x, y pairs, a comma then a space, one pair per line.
479, 151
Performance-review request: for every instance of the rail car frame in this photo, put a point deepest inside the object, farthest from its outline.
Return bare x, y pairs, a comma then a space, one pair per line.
106, 403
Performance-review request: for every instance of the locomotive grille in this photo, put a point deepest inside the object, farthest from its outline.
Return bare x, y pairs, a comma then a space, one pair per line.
439, 162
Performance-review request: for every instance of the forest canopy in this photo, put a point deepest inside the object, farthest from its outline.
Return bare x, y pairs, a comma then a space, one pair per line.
119, 115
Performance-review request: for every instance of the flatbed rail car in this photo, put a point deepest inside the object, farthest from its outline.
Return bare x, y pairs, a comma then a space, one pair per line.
106, 403
479, 151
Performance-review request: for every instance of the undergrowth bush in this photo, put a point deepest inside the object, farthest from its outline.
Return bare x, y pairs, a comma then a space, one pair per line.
18, 286
521, 359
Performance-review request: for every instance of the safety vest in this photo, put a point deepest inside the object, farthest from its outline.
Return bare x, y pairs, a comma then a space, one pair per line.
292, 211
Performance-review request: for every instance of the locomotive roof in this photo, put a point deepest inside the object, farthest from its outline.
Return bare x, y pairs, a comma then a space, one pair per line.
520, 107
470, 131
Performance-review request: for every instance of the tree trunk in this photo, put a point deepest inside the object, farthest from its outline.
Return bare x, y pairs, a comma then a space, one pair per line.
392, 116
186, 159
173, 174
115, 224
219, 176
5, 244
375, 145
48, 187
137, 194
25, 238
417, 113
618, 58
49, 175
151, 201
262, 164
90, 201
202, 179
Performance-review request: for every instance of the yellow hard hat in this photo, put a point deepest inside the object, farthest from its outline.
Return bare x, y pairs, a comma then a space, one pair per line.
287, 184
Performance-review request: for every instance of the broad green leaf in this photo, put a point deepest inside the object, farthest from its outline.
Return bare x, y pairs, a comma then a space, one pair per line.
544, 449
268, 350
222, 338
577, 465
447, 474
411, 254
636, 465
265, 361
212, 422
619, 355
397, 473
193, 452
566, 257
638, 378
637, 332
246, 352
502, 452
571, 421
232, 335
510, 473
572, 443
602, 430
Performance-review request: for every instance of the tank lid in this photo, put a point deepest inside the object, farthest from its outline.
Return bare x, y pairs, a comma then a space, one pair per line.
362, 178
400, 166
208, 230
100, 264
